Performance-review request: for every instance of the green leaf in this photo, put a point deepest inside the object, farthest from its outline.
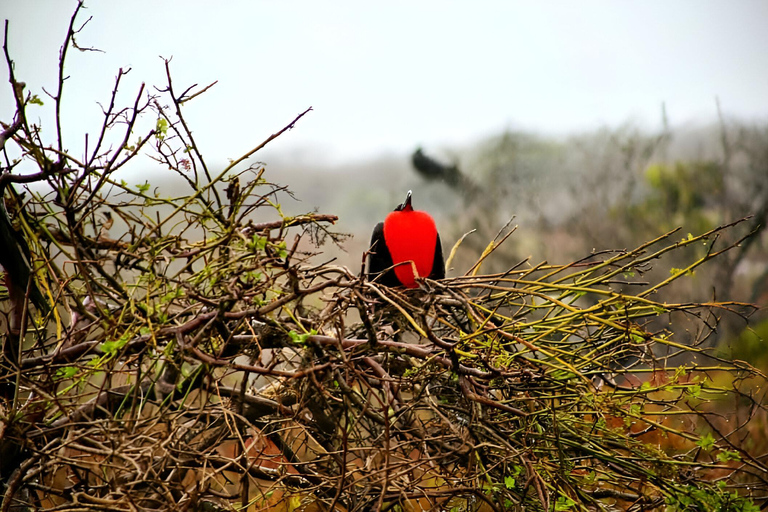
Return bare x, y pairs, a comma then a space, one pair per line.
257, 243
564, 503
110, 347
706, 442
168, 297
144, 187
66, 373
509, 482
254, 276
35, 100
694, 390
726, 455
297, 338
161, 128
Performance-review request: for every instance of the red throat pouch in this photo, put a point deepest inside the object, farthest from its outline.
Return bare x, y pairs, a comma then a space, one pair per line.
411, 236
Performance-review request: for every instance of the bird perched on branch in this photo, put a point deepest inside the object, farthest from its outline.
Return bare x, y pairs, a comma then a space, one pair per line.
405, 246
15, 260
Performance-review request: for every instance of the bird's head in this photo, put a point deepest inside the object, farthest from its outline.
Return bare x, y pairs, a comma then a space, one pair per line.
406, 205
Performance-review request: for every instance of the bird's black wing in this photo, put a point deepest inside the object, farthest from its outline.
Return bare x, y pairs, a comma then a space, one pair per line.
438, 265
379, 259
431, 169
15, 259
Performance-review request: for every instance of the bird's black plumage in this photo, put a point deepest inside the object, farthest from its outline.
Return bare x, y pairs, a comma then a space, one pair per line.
15, 260
431, 169
379, 259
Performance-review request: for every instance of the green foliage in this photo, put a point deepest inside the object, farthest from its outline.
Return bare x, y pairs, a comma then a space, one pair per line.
258, 243
706, 442
750, 345
111, 347
713, 498
66, 372
301, 338
161, 128
728, 455
510, 481
683, 188
564, 503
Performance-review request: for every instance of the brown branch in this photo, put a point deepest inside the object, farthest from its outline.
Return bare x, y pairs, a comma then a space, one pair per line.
471, 395
9, 130
296, 221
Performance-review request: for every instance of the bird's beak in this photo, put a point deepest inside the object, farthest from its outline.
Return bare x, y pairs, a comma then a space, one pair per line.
407, 203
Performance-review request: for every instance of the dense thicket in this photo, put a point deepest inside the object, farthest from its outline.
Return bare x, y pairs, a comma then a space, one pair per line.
174, 353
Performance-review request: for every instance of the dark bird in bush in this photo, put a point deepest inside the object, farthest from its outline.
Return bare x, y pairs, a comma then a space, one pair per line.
15, 260
404, 247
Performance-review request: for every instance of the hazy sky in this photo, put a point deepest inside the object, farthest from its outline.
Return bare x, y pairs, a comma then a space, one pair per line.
387, 76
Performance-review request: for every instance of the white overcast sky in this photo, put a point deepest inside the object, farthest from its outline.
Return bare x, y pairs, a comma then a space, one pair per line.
387, 76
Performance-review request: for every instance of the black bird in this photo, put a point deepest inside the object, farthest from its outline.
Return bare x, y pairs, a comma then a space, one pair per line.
15, 260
